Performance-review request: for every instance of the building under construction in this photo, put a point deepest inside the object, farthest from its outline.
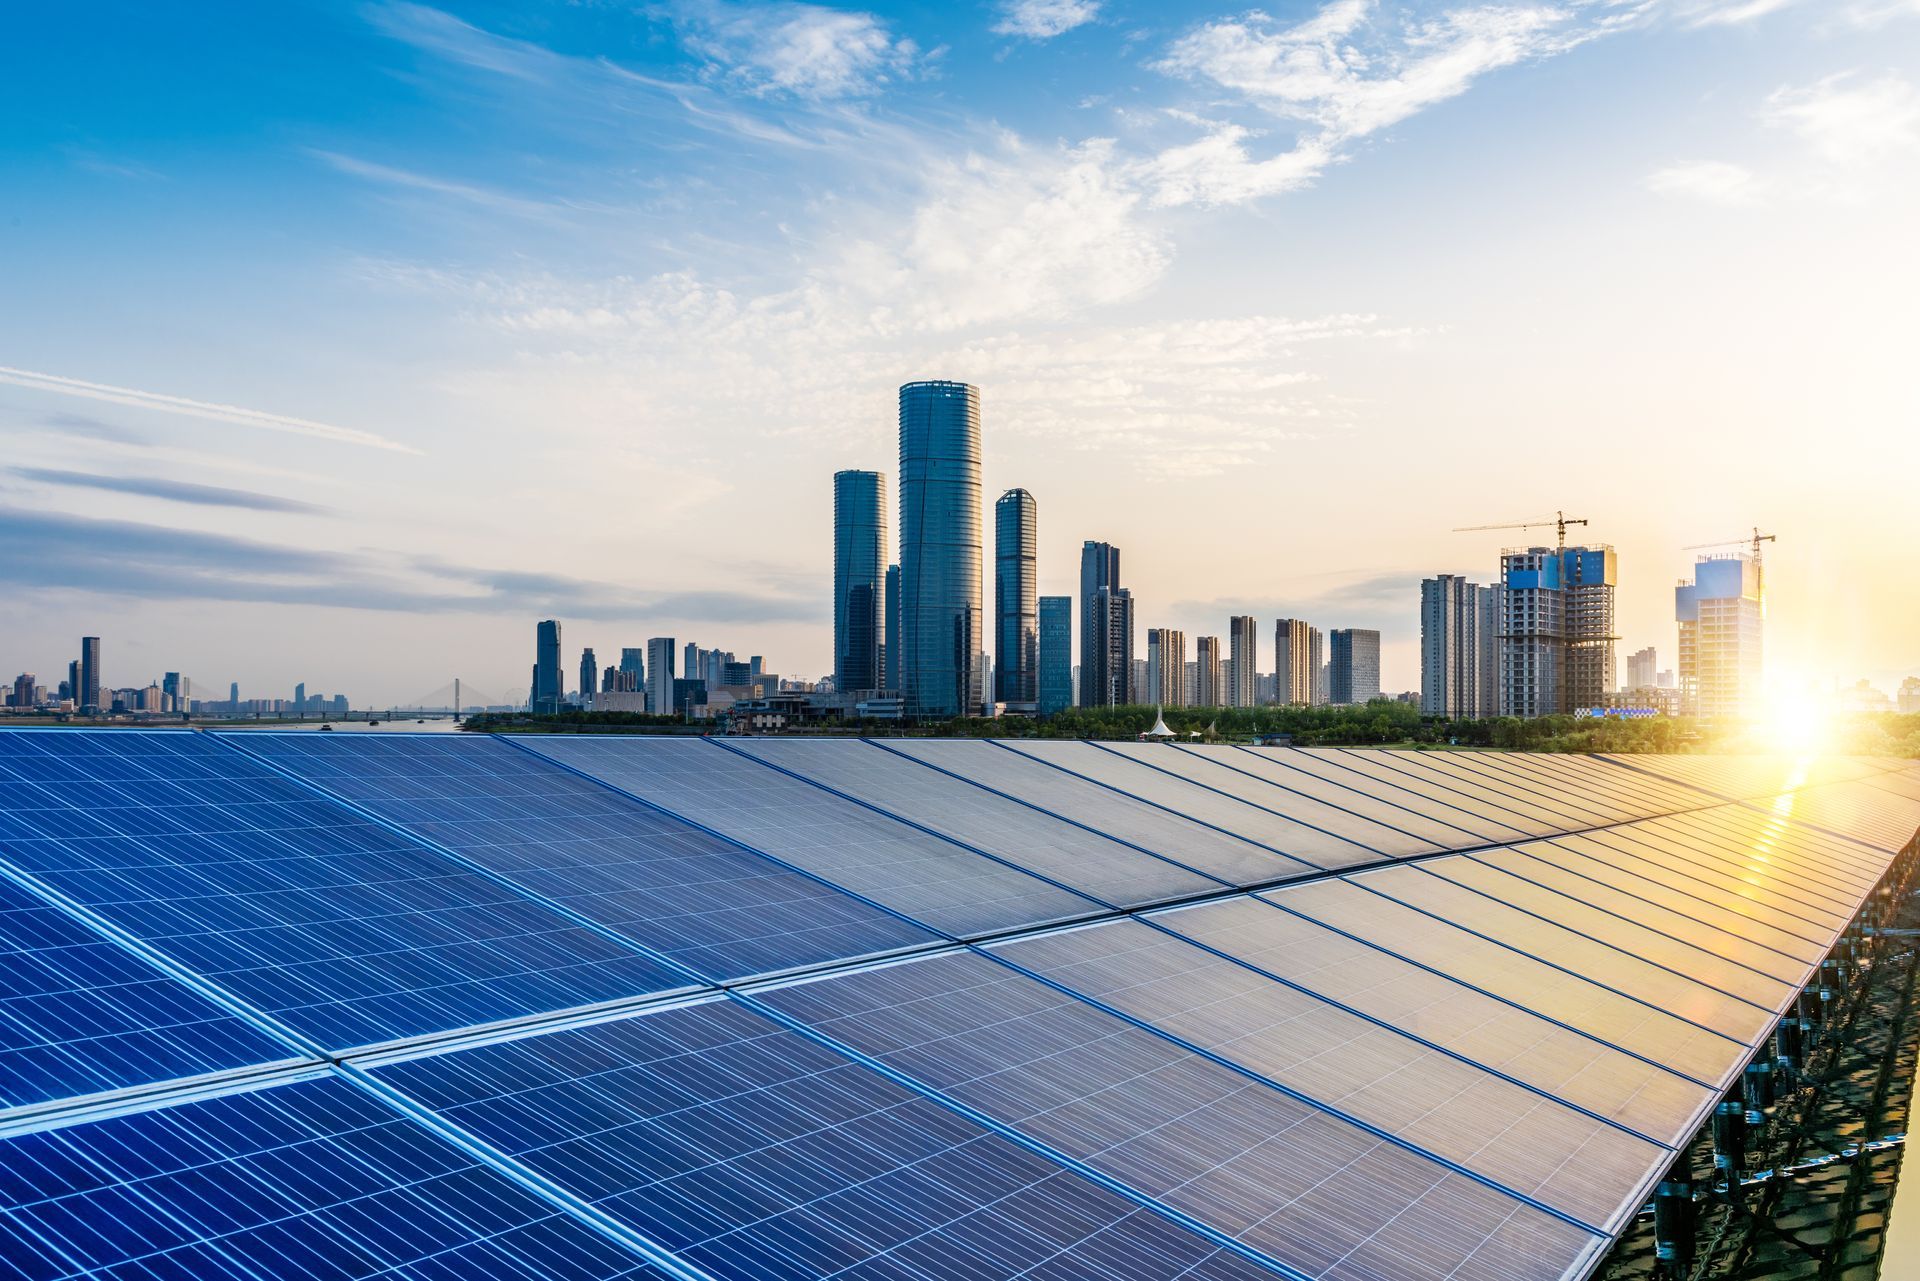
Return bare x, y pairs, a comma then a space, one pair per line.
1557, 629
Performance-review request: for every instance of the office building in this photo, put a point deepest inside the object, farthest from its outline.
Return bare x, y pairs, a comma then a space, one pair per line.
1297, 660
1099, 571
1642, 666
891, 650
1016, 600
1206, 672
660, 675
1106, 667
179, 691
941, 610
1459, 648
1166, 683
1243, 664
1055, 681
1353, 666
549, 684
1722, 618
87, 695
300, 697
589, 676
633, 668
1556, 629
859, 580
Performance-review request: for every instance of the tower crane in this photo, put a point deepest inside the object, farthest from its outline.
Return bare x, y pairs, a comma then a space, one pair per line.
1559, 521
1754, 542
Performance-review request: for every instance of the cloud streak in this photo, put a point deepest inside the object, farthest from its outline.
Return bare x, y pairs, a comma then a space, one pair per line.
1044, 19
212, 411
175, 491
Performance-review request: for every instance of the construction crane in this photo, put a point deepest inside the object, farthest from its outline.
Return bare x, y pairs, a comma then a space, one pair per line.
1753, 542
1560, 521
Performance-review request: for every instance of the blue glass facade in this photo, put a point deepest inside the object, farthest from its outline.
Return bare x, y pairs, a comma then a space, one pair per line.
549, 686
940, 549
1016, 608
859, 570
1056, 654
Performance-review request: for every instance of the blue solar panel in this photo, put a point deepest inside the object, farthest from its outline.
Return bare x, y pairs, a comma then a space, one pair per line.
751, 1151
710, 905
314, 1180
1285, 1178
346, 931
81, 1015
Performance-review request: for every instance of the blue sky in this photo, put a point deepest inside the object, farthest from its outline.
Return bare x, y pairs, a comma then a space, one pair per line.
419, 322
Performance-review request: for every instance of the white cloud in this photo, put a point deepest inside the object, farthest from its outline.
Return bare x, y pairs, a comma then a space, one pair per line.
1714, 181
1217, 169
1850, 124
805, 50
1044, 19
1730, 13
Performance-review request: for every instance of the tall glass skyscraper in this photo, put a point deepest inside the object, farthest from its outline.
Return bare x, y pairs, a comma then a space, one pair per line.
893, 629
1016, 598
549, 686
1056, 654
940, 549
859, 575
1100, 650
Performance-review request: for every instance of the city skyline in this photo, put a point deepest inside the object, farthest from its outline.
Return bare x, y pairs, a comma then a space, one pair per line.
386, 373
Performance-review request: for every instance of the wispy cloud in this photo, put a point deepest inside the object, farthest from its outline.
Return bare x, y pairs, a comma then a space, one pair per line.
467, 193
176, 491
1714, 181
1044, 19
802, 50
1848, 122
1730, 13
212, 411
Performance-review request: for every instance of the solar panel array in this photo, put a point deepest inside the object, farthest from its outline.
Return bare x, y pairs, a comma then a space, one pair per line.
284, 1004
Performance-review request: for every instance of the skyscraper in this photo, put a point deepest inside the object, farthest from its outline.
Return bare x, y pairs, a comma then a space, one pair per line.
549, 685
1556, 629
1296, 663
660, 676
859, 571
1099, 570
1353, 666
233, 696
1459, 648
1206, 671
179, 691
87, 695
892, 647
1722, 618
589, 676
1243, 662
940, 549
1106, 673
1642, 668
633, 667
1166, 667
1016, 607
1056, 654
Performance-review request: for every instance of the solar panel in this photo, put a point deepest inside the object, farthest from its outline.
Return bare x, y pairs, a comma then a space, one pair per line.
1854, 810
1522, 1139
719, 910
1636, 850
80, 1015
1469, 788
1493, 775
1284, 1178
344, 930
751, 1151
1333, 769
936, 882
1095, 864
1225, 857
1136, 776
1403, 810
1503, 1037
315, 1180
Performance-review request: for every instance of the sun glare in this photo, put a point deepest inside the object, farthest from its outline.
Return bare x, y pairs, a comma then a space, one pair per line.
1797, 721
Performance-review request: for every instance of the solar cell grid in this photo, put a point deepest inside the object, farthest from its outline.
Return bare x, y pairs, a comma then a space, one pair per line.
1503, 797
1523, 1140
342, 929
1296, 1183
1087, 860
1251, 776
1674, 856
1491, 775
1138, 778
1769, 849
314, 1180
1504, 1037
751, 1151
1855, 810
936, 882
704, 902
1340, 771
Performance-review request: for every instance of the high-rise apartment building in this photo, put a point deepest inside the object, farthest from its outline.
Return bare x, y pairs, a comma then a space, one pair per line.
660, 675
1298, 656
1459, 648
1099, 570
589, 676
549, 685
940, 549
1016, 600
1056, 654
1166, 684
1243, 662
1722, 618
1556, 629
1643, 666
1206, 672
859, 577
1106, 666
1353, 666
87, 693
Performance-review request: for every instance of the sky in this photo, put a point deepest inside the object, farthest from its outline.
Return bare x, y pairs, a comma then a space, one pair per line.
339, 343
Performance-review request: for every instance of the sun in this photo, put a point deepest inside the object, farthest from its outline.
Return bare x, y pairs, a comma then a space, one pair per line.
1797, 720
